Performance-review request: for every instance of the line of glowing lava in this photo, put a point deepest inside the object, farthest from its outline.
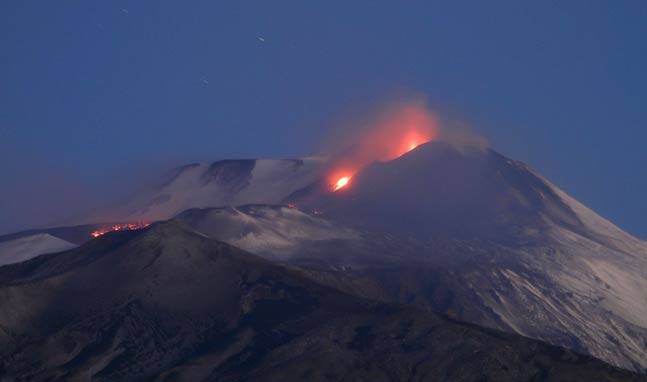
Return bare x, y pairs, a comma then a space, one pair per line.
119, 227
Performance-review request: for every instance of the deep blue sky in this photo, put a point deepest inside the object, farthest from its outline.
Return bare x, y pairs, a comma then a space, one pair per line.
90, 91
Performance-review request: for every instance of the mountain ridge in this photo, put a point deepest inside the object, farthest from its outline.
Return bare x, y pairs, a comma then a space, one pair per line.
468, 233
559, 274
262, 322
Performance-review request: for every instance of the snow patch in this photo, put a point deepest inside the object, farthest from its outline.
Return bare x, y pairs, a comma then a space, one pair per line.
241, 182
25, 248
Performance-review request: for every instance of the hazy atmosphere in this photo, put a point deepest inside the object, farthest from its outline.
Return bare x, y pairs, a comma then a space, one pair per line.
99, 97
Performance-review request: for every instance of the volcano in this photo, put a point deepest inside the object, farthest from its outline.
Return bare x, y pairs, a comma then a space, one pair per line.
480, 237
460, 231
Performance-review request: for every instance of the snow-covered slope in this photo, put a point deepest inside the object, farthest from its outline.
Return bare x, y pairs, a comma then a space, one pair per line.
566, 289
25, 248
224, 183
602, 228
569, 290
273, 231
525, 256
167, 304
468, 232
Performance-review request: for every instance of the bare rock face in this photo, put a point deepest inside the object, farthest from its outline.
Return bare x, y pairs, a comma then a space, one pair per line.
166, 303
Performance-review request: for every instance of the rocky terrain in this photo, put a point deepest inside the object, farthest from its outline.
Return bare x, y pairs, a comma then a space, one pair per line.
489, 242
168, 304
464, 232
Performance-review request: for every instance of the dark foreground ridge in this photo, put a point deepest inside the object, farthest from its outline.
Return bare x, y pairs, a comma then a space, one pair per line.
168, 304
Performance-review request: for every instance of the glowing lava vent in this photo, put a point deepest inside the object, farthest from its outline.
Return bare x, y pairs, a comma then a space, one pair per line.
341, 183
119, 227
388, 135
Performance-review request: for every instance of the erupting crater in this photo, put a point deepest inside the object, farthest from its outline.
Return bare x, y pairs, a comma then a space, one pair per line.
390, 135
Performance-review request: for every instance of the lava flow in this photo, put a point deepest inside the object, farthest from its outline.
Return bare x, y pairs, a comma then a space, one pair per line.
119, 227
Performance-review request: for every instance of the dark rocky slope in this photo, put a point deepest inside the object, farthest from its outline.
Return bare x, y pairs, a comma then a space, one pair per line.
168, 304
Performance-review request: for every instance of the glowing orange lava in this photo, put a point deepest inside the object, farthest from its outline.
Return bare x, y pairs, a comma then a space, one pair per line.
119, 227
341, 183
412, 140
390, 134
413, 145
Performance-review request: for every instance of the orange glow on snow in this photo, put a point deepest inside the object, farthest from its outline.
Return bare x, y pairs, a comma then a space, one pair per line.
119, 227
341, 183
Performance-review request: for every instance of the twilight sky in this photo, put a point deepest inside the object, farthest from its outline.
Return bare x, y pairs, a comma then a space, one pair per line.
95, 94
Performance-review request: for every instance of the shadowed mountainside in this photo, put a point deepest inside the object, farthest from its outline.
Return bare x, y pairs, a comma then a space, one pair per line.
469, 233
168, 304
466, 232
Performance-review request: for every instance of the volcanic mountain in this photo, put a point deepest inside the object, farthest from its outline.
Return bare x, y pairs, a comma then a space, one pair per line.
463, 231
168, 304
470, 233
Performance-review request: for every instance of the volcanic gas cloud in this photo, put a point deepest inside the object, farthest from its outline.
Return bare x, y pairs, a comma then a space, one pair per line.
387, 136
